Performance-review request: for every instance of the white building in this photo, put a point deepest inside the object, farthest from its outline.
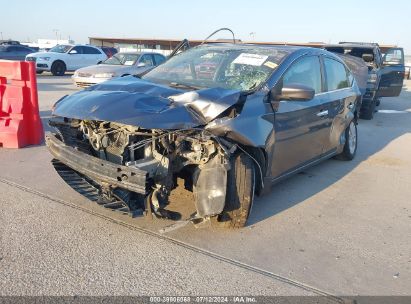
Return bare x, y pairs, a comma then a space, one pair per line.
47, 43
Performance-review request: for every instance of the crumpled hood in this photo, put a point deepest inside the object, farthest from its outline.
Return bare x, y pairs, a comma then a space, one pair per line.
133, 101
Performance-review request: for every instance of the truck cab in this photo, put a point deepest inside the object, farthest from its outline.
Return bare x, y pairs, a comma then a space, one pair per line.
385, 71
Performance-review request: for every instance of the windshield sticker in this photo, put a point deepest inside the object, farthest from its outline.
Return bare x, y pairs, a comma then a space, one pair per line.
129, 62
250, 59
271, 64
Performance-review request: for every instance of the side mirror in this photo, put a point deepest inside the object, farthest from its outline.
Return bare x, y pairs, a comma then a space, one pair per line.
368, 57
141, 64
73, 52
294, 91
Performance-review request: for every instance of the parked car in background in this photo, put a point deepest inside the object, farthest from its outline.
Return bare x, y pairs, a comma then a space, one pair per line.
266, 113
66, 57
121, 64
109, 51
385, 72
14, 52
9, 42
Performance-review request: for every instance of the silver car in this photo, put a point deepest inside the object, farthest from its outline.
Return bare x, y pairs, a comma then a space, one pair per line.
120, 64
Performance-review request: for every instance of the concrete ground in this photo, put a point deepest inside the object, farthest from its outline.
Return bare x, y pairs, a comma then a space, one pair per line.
340, 228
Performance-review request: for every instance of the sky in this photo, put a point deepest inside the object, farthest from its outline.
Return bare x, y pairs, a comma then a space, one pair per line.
379, 21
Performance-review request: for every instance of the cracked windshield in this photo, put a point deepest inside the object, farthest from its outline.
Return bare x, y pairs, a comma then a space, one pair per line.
228, 68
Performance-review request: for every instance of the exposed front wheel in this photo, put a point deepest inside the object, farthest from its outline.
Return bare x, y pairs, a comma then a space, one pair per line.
58, 68
351, 140
240, 193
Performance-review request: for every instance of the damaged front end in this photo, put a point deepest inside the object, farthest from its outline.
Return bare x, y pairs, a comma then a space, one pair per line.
136, 169
131, 139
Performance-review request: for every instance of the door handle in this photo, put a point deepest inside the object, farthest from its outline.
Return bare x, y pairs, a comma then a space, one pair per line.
322, 113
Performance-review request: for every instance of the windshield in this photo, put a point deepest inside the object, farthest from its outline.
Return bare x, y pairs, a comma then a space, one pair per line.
60, 48
122, 59
228, 67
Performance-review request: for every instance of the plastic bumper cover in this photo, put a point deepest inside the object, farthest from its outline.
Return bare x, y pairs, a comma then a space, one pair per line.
101, 171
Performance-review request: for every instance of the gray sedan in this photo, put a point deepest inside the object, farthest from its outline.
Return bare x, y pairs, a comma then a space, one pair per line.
120, 64
14, 52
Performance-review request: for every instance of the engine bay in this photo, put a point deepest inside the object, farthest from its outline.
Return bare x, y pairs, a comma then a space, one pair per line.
194, 155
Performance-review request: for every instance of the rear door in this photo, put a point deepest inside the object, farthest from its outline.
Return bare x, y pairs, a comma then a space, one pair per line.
300, 126
75, 58
91, 56
392, 73
340, 99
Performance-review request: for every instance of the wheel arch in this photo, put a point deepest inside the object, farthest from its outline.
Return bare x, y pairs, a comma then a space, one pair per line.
259, 157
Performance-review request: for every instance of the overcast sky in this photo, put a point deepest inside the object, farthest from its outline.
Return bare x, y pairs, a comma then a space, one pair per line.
385, 22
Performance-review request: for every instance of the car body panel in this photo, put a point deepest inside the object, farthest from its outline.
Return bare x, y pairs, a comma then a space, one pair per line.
132, 101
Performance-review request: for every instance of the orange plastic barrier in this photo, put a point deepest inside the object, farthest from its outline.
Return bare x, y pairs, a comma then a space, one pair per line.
20, 123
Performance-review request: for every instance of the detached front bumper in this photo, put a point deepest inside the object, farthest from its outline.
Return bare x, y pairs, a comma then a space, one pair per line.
101, 171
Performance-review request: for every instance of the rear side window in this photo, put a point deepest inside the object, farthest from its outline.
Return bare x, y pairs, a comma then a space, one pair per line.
89, 50
147, 59
305, 71
79, 49
336, 75
159, 59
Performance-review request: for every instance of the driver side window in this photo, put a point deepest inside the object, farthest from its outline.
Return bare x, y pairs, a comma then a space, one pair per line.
305, 71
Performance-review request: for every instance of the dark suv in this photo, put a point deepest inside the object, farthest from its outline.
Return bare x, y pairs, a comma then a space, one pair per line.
259, 115
385, 71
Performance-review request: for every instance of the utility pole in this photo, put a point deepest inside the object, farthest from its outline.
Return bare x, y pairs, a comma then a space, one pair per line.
56, 32
252, 35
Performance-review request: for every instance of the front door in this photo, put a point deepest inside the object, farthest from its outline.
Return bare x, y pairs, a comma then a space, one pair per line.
392, 73
300, 126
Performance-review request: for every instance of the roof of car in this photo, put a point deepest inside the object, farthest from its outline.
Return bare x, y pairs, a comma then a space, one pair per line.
352, 45
286, 48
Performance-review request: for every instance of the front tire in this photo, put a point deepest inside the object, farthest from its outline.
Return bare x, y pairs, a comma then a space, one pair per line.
351, 142
240, 193
58, 68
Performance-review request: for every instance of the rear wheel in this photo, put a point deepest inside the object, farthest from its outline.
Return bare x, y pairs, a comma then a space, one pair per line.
240, 193
58, 68
350, 146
